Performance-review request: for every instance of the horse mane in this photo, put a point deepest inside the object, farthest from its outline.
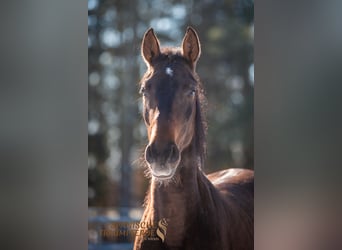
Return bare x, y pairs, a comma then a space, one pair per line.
200, 122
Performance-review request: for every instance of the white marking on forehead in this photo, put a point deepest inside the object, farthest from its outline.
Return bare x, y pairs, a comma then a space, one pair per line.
169, 71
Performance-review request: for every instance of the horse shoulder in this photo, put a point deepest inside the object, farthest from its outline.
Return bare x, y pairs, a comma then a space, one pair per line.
236, 186
237, 176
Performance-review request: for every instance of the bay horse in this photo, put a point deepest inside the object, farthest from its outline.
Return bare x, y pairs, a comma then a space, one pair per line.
189, 209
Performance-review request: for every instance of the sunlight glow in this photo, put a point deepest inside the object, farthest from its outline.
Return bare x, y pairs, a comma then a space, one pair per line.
93, 127
92, 4
178, 11
94, 79
251, 74
110, 38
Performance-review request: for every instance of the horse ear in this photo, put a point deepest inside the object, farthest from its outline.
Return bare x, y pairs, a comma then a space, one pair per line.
150, 46
191, 46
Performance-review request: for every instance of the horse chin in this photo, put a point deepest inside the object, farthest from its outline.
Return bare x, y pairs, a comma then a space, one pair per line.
163, 172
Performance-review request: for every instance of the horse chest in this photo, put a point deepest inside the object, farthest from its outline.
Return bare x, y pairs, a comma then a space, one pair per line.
173, 208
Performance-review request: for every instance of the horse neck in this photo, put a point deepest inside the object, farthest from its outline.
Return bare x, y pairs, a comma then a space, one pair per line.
181, 190
178, 200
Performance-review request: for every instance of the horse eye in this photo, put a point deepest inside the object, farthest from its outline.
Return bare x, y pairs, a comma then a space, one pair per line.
192, 93
143, 91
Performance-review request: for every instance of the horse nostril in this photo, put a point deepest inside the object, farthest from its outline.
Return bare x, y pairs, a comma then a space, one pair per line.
174, 153
149, 154
168, 154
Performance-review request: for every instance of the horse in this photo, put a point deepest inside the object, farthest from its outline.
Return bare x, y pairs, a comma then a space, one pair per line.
186, 208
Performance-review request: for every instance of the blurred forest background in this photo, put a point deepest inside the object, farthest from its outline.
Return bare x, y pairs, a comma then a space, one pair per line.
116, 130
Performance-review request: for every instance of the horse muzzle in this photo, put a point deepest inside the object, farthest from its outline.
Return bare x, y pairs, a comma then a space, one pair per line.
162, 161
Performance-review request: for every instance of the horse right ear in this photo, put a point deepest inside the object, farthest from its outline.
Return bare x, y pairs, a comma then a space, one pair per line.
191, 47
150, 48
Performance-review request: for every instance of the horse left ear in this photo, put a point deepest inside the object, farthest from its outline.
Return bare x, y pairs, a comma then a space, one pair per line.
191, 47
150, 48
